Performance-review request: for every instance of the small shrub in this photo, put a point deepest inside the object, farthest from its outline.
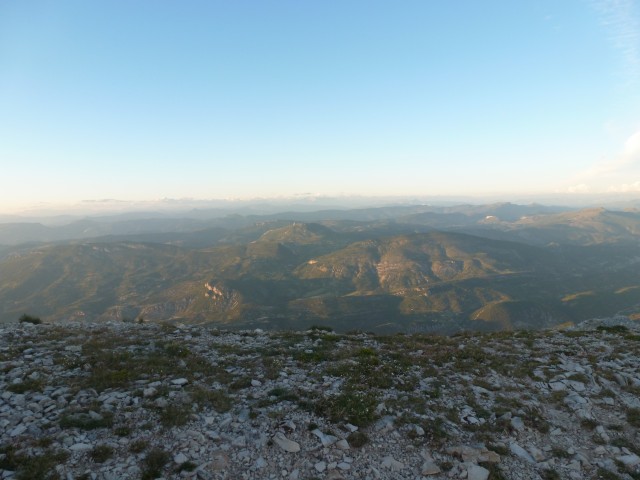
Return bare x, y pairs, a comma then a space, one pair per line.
558, 397
321, 328
494, 471
122, 431
559, 452
175, 349
604, 474
240, 383
138, 446
550, 474
37, 467
187, 467
367, 352
589, 423
272, 367
283, 394
28, 385
606, 392
357, 408
613, 329
316, 355
480, 382
500, 449
167, 328
579, 377
42, 467
9, 458
43, 442
215, 399
175, 415
357, 439
101, 453
633, 417
24, 318
435, 430
446, 466
534, 419
154, 463
84, 421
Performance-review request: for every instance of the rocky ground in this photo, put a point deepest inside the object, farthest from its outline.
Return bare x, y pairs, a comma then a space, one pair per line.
120, 401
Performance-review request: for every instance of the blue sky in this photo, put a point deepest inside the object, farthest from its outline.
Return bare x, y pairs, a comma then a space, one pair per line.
238, 99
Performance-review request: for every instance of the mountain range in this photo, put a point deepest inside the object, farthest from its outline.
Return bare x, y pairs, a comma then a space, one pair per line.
401, 268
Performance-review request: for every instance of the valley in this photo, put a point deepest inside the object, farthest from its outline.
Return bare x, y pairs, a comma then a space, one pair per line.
388, 269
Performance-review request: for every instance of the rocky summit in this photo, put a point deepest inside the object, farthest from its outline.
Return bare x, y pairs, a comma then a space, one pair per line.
144, 401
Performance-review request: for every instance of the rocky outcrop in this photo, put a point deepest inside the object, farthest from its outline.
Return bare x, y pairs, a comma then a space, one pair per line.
223, 297
129, 401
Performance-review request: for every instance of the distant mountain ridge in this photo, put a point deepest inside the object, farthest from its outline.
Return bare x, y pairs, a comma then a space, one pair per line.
396, 268
14, 233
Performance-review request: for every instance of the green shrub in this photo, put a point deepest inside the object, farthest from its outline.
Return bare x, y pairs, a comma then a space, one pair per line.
612, 329
354, 407
187, 467
122, 431
321, 328
138, 446
174, 415
37, 467
633, 417
28, 385
357, 439
84, 421
495, 473
533, 418
550, 474
435, 430
101, 453
175, 349
604, 474
24, 318
589, 423
215, 399
154, 463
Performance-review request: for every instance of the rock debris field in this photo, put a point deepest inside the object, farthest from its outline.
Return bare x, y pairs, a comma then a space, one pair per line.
129, 401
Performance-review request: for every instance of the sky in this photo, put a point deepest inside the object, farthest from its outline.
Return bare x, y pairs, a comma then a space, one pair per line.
158, 99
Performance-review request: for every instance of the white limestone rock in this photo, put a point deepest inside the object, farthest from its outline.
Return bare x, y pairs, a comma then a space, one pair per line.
285, 444
476, 472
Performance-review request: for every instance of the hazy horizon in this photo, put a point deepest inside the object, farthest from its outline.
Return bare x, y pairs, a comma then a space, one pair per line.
281, 100
55, 213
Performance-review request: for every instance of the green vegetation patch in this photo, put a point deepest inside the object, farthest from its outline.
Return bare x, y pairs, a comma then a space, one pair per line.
86, 420
355, 407
32, 467
154, 463
101, 453
369, 369
27, 385
357, 439
175, 415
117, 363
24, 318
617, 329
633, 417
216, 399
